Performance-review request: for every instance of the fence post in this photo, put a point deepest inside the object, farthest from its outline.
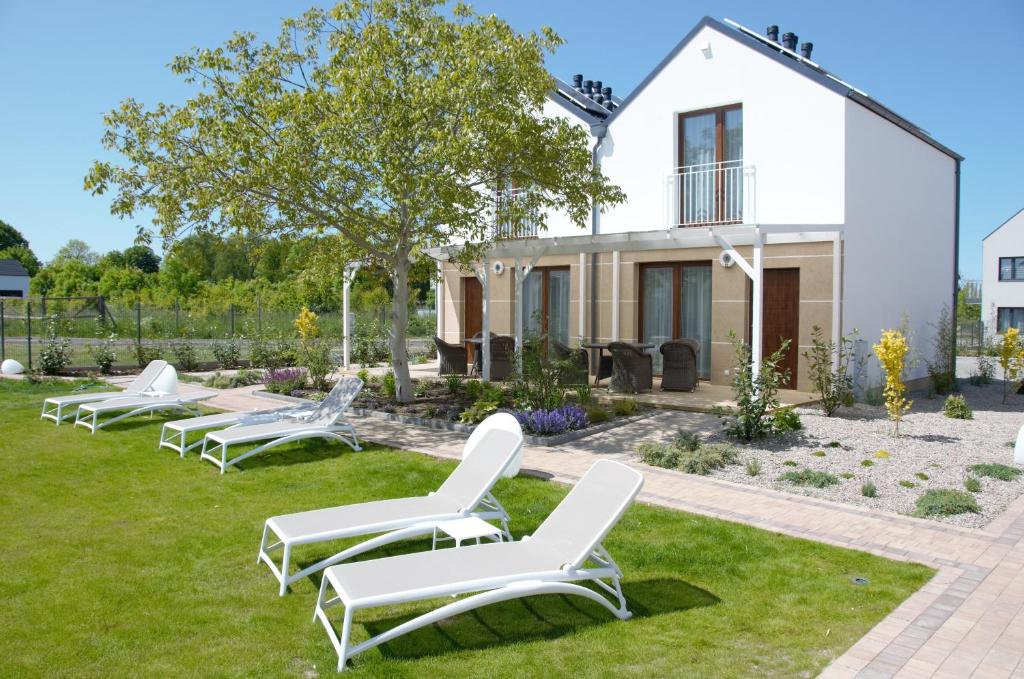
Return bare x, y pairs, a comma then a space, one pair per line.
44, 307
177, 313
232, 320
138, 323
28, 331
259, 317
3, 333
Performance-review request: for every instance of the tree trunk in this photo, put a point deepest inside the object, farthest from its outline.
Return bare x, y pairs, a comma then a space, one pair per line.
399, 329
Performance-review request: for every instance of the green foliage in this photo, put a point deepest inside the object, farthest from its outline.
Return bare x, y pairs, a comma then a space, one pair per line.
848, 475
874, 396
1001, 472
473, 389
985, 373
103, 353
315, 356
752, 466
227, 353
687, 440
945, 502
834, 444
922, 476
584, 394
537, 384
882, 454
145, 353
867, 463
422, 388
786, 420
956, 408
941, 368
624, 407
388, 384
56, 351
908, 484
453, 383
701, 460
972, 484
756, 397
10, 237
271, 354
23, 254
818, 453
243, 378
185, 357
790, 463
832, 383
479, 411
810, 477
596, 414
364, 375
869, 490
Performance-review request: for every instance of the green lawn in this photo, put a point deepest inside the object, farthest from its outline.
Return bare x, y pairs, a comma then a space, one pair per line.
119, 559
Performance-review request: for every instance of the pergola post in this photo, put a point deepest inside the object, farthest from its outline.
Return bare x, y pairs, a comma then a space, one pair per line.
347, 276
837, 296
518, 283
486, 304
439, 301
615, 295
757, 321
582, 297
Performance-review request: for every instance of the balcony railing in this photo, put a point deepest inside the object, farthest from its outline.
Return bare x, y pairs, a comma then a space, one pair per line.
712, 193
511, 227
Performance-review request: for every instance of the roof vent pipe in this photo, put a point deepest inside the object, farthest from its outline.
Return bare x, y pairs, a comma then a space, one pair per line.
577, 82
805, 49
773, 33
599, 98
789, 41
597, 86
588, 86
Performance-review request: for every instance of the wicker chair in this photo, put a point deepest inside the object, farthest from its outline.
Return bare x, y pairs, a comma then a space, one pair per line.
632, 369
478, 353
679, 371
451, 358
576, 372
503, 350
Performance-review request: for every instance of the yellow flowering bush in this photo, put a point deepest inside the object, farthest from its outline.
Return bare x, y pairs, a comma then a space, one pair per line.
891, 351
1011, 359
306, 325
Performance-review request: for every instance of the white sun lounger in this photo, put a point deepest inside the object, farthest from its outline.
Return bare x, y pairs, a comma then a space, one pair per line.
174, 434
54, 408
491, 451
566, 548
89, 413
326, 421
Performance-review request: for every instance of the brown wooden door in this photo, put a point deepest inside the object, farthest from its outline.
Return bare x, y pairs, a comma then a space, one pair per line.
473, 312
781, 318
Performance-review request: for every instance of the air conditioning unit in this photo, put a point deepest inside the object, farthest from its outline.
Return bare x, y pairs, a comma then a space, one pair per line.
498, 268
726, 259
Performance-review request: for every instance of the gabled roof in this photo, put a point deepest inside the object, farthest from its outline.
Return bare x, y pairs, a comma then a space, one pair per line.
12, 267
1014, 216
790, 60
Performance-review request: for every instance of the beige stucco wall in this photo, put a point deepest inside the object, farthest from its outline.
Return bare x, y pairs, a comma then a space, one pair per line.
729, 297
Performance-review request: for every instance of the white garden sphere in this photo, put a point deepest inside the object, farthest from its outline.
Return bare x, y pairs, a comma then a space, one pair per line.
11, 367
1018, 450
167, 381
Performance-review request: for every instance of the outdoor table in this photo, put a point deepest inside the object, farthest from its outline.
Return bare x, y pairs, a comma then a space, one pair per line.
601, 347
461, 530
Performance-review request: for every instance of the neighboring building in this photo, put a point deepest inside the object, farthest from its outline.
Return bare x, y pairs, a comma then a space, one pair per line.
764, 197
1002, 276
13, 279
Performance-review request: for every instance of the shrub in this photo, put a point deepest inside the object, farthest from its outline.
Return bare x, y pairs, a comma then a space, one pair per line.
908, 484
596, 414
882, 454
473, 389
707, 458
946, 502
922, 476
985, 373
306, 325
144, 354
687, 440
659, 454
756, 397
243, 378
848, 475
103, 353
752, 466
430, 410
227, 353
554, 421
316, 359
867, 463
1001, 472
56, 352
874, 396
832, 382
537, 381
584, 394
785, 420
818, 453
834, 444
810, 477
284, 380
1011, 359
364, 375
941, 369
422, 388
452, 382
972, 484
790, 463
478, 412
891, 351
624, 407
869, 490
388, 384
185, 357
956, 408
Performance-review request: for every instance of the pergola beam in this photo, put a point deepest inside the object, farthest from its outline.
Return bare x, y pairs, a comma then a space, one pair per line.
347, 276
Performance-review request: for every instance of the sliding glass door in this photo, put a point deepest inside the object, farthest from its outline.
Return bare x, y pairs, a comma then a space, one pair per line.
710, 173
675, 303
546, 304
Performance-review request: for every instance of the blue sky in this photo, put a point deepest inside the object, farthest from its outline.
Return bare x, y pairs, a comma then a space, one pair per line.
954, 68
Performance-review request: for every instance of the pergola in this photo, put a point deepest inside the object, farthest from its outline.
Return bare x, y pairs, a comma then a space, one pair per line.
525, 254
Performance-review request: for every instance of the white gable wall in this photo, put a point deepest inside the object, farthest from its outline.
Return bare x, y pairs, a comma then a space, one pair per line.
792, 134
1007, 241
899, 239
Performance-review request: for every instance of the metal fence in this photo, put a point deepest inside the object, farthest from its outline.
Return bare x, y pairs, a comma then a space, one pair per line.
970, 338
87, 322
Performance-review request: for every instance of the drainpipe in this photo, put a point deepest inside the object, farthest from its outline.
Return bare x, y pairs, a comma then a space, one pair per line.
956, 261
598, 131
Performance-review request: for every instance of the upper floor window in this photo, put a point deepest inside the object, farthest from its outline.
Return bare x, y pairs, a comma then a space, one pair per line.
707, 185
711, 136
1009, 317
1011, 268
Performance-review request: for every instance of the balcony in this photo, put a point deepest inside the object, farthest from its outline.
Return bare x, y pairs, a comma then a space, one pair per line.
709, 194
516, 220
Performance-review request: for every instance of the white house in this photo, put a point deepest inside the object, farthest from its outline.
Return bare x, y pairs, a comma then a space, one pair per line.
13, 279
765, 197
1002, 271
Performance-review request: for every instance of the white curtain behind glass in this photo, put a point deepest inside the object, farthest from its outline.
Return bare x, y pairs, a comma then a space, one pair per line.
532, 304
699, 148
657, 308
696, 313
558, 306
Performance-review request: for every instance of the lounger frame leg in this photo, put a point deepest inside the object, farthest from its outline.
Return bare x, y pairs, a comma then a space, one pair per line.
345, 436
96, 425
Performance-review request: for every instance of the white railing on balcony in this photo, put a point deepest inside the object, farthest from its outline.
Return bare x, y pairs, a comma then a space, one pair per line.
520, 226
712, 193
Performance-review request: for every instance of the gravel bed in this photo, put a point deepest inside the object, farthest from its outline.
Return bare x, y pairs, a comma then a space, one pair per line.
930, 444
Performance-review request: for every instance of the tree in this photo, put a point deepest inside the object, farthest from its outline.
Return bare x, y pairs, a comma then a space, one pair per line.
10, 237
23, 254
76, 250
389, 123
143, 258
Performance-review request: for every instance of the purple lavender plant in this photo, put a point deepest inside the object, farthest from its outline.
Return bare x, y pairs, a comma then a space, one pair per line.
552, 422
284, 380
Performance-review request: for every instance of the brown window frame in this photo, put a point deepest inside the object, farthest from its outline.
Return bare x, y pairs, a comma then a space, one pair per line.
720, 198
677, 293
545, 287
